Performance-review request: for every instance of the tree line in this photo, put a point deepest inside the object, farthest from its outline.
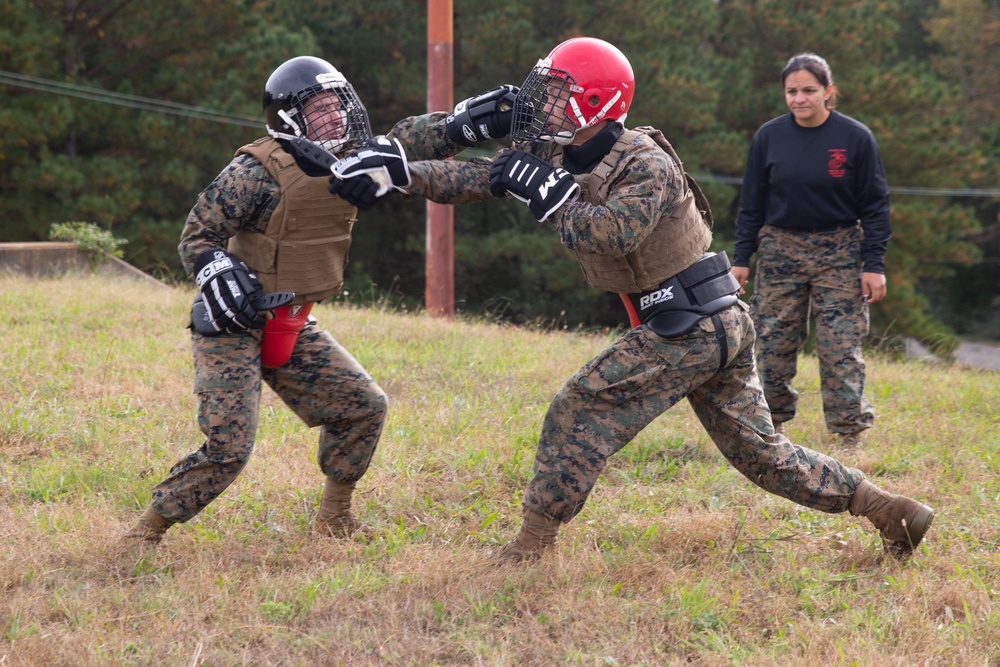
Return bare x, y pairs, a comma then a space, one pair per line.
924, 75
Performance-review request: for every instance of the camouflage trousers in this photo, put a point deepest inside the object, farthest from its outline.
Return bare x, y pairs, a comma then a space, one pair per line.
819, 273
322, 384
614, 396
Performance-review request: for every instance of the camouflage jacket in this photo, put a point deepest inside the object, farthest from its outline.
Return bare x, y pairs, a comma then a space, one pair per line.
646, 187
241, 198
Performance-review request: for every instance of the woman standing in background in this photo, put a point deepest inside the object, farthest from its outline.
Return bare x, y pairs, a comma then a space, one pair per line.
814, 206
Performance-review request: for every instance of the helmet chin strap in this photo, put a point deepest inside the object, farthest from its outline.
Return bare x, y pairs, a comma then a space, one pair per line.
335, 145
280, 135
331, 145
283, 115
565, 138
599, 116
562, 139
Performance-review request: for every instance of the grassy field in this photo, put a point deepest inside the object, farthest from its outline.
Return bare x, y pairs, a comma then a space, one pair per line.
676, 559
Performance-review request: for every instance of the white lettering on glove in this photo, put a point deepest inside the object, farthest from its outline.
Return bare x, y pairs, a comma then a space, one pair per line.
383, 160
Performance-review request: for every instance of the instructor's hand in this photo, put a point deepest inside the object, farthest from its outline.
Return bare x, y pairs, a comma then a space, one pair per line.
378, 167
230, 291
742, 275
482, 117
873, 287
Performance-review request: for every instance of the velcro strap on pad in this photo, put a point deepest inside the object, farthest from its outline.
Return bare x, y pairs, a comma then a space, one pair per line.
703, 269
714, 288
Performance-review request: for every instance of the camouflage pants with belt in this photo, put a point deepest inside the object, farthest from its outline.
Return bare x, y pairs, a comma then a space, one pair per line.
614, 396
817, 272
322, 383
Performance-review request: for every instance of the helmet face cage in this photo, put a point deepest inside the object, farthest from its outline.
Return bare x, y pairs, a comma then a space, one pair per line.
581, 83
542, 106
330, 114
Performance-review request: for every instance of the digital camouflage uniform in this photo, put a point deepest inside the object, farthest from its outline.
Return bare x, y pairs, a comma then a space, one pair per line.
816, 271
614, 396
814, 206
321, 382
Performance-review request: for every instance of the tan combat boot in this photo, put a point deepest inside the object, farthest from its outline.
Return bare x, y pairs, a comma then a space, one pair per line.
536, 535
151, 526
901, 521
334, 518
850, 443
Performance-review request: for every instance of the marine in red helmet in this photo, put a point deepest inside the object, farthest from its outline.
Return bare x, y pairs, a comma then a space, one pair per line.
620, 200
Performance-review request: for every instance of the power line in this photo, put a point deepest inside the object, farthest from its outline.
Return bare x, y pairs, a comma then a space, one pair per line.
899, 190
946, 192
204, 113
122, 99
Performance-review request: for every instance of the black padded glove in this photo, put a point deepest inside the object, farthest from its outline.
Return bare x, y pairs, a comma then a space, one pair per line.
383, 159
360, 191
534, 181
483, 117
230, 291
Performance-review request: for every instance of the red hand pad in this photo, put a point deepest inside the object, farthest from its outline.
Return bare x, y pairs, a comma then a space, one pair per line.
280, 333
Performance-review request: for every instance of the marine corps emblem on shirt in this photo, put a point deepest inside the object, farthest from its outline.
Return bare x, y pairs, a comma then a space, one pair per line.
838, 158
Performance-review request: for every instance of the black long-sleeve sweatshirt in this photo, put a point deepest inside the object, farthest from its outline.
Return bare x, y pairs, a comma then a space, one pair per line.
814, 178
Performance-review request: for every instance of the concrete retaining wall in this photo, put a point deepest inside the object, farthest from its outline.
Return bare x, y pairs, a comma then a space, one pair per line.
54, 258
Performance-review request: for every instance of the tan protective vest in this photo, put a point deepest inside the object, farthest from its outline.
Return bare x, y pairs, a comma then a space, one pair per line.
304, 249
677, 241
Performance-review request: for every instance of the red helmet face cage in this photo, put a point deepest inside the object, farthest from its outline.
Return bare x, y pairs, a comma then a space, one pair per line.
542, 105
582, 82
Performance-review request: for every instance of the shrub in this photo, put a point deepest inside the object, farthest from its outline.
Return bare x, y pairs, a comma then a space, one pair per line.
92, 239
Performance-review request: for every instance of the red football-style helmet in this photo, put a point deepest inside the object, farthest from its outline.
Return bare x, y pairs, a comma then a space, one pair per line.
583, 81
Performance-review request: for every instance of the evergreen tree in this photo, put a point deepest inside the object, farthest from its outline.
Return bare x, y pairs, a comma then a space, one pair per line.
913, 112
922, 74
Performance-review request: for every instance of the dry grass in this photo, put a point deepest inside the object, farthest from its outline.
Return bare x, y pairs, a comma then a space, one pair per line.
676, 560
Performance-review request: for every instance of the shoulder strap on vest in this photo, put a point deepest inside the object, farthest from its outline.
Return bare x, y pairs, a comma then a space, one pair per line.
267, 148
700, 200
610, 161
595, 182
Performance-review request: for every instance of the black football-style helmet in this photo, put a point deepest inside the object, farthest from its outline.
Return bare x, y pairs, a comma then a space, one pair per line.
308, 97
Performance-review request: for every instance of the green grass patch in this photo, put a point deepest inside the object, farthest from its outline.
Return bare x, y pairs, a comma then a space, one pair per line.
675, 560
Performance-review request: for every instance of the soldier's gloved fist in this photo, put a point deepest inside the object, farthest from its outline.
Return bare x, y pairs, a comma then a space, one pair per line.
229, 290
360, 191
382, 160
534, 181
483, 117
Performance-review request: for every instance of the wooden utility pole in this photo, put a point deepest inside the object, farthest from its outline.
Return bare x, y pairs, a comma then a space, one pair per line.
440, 278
